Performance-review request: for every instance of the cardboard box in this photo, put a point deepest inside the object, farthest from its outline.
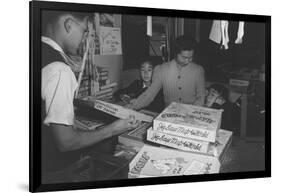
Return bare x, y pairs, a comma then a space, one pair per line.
177, 142
157, 162
219, 148
189, 121
135, 138
120, 112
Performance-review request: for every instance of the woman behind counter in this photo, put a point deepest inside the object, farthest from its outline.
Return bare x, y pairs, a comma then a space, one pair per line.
137, 87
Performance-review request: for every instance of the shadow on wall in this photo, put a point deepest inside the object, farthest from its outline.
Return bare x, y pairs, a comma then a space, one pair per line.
128, 76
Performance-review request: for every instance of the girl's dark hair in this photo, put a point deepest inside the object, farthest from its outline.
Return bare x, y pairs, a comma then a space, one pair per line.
146, 61
221, 89
152, 60
183, 43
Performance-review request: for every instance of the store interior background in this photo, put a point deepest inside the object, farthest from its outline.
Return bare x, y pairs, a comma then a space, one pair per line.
244, 61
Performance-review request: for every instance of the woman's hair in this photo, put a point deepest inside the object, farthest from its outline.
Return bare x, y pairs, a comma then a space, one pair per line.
183, 43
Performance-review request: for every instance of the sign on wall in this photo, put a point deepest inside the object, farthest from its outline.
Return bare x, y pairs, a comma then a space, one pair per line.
110, 41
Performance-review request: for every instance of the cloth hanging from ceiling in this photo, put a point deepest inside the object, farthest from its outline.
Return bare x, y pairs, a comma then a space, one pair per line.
240, 33
219, 33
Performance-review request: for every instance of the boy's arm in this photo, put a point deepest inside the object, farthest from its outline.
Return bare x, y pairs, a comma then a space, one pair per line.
68, 138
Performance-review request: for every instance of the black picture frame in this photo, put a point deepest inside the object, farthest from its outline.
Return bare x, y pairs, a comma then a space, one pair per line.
35, 10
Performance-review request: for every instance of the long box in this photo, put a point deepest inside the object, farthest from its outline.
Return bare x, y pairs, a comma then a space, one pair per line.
177, 142
189, 121
219, 148
120, 112
157, 162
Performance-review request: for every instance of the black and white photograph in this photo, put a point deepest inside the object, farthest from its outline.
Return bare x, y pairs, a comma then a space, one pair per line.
138, 96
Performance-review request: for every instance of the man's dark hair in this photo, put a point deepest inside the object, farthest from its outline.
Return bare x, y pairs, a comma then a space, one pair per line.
50, 17
183, 43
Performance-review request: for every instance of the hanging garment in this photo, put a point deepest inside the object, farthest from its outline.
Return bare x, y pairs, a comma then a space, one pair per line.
215, 34
220, 35
240, 33
224, 31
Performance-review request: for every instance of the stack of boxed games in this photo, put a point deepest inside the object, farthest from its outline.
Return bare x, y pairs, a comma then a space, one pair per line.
189, 121
160, 162
191, 128
186, 127
194, 131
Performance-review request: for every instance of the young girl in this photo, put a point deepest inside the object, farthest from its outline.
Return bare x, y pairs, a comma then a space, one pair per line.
139, 86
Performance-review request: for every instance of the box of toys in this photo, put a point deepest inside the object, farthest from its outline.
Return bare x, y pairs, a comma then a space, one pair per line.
189, 121
159, 162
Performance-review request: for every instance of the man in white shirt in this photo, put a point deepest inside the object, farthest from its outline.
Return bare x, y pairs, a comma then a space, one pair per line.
63, 34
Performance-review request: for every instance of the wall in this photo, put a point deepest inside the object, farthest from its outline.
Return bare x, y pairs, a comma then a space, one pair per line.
112, 62
128, 77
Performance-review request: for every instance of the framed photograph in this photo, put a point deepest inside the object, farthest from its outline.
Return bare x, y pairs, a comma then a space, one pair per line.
126, 96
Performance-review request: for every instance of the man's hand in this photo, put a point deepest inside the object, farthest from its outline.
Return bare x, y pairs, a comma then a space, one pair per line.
123, 125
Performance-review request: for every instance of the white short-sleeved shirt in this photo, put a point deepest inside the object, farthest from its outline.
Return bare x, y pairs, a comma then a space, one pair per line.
58, 89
